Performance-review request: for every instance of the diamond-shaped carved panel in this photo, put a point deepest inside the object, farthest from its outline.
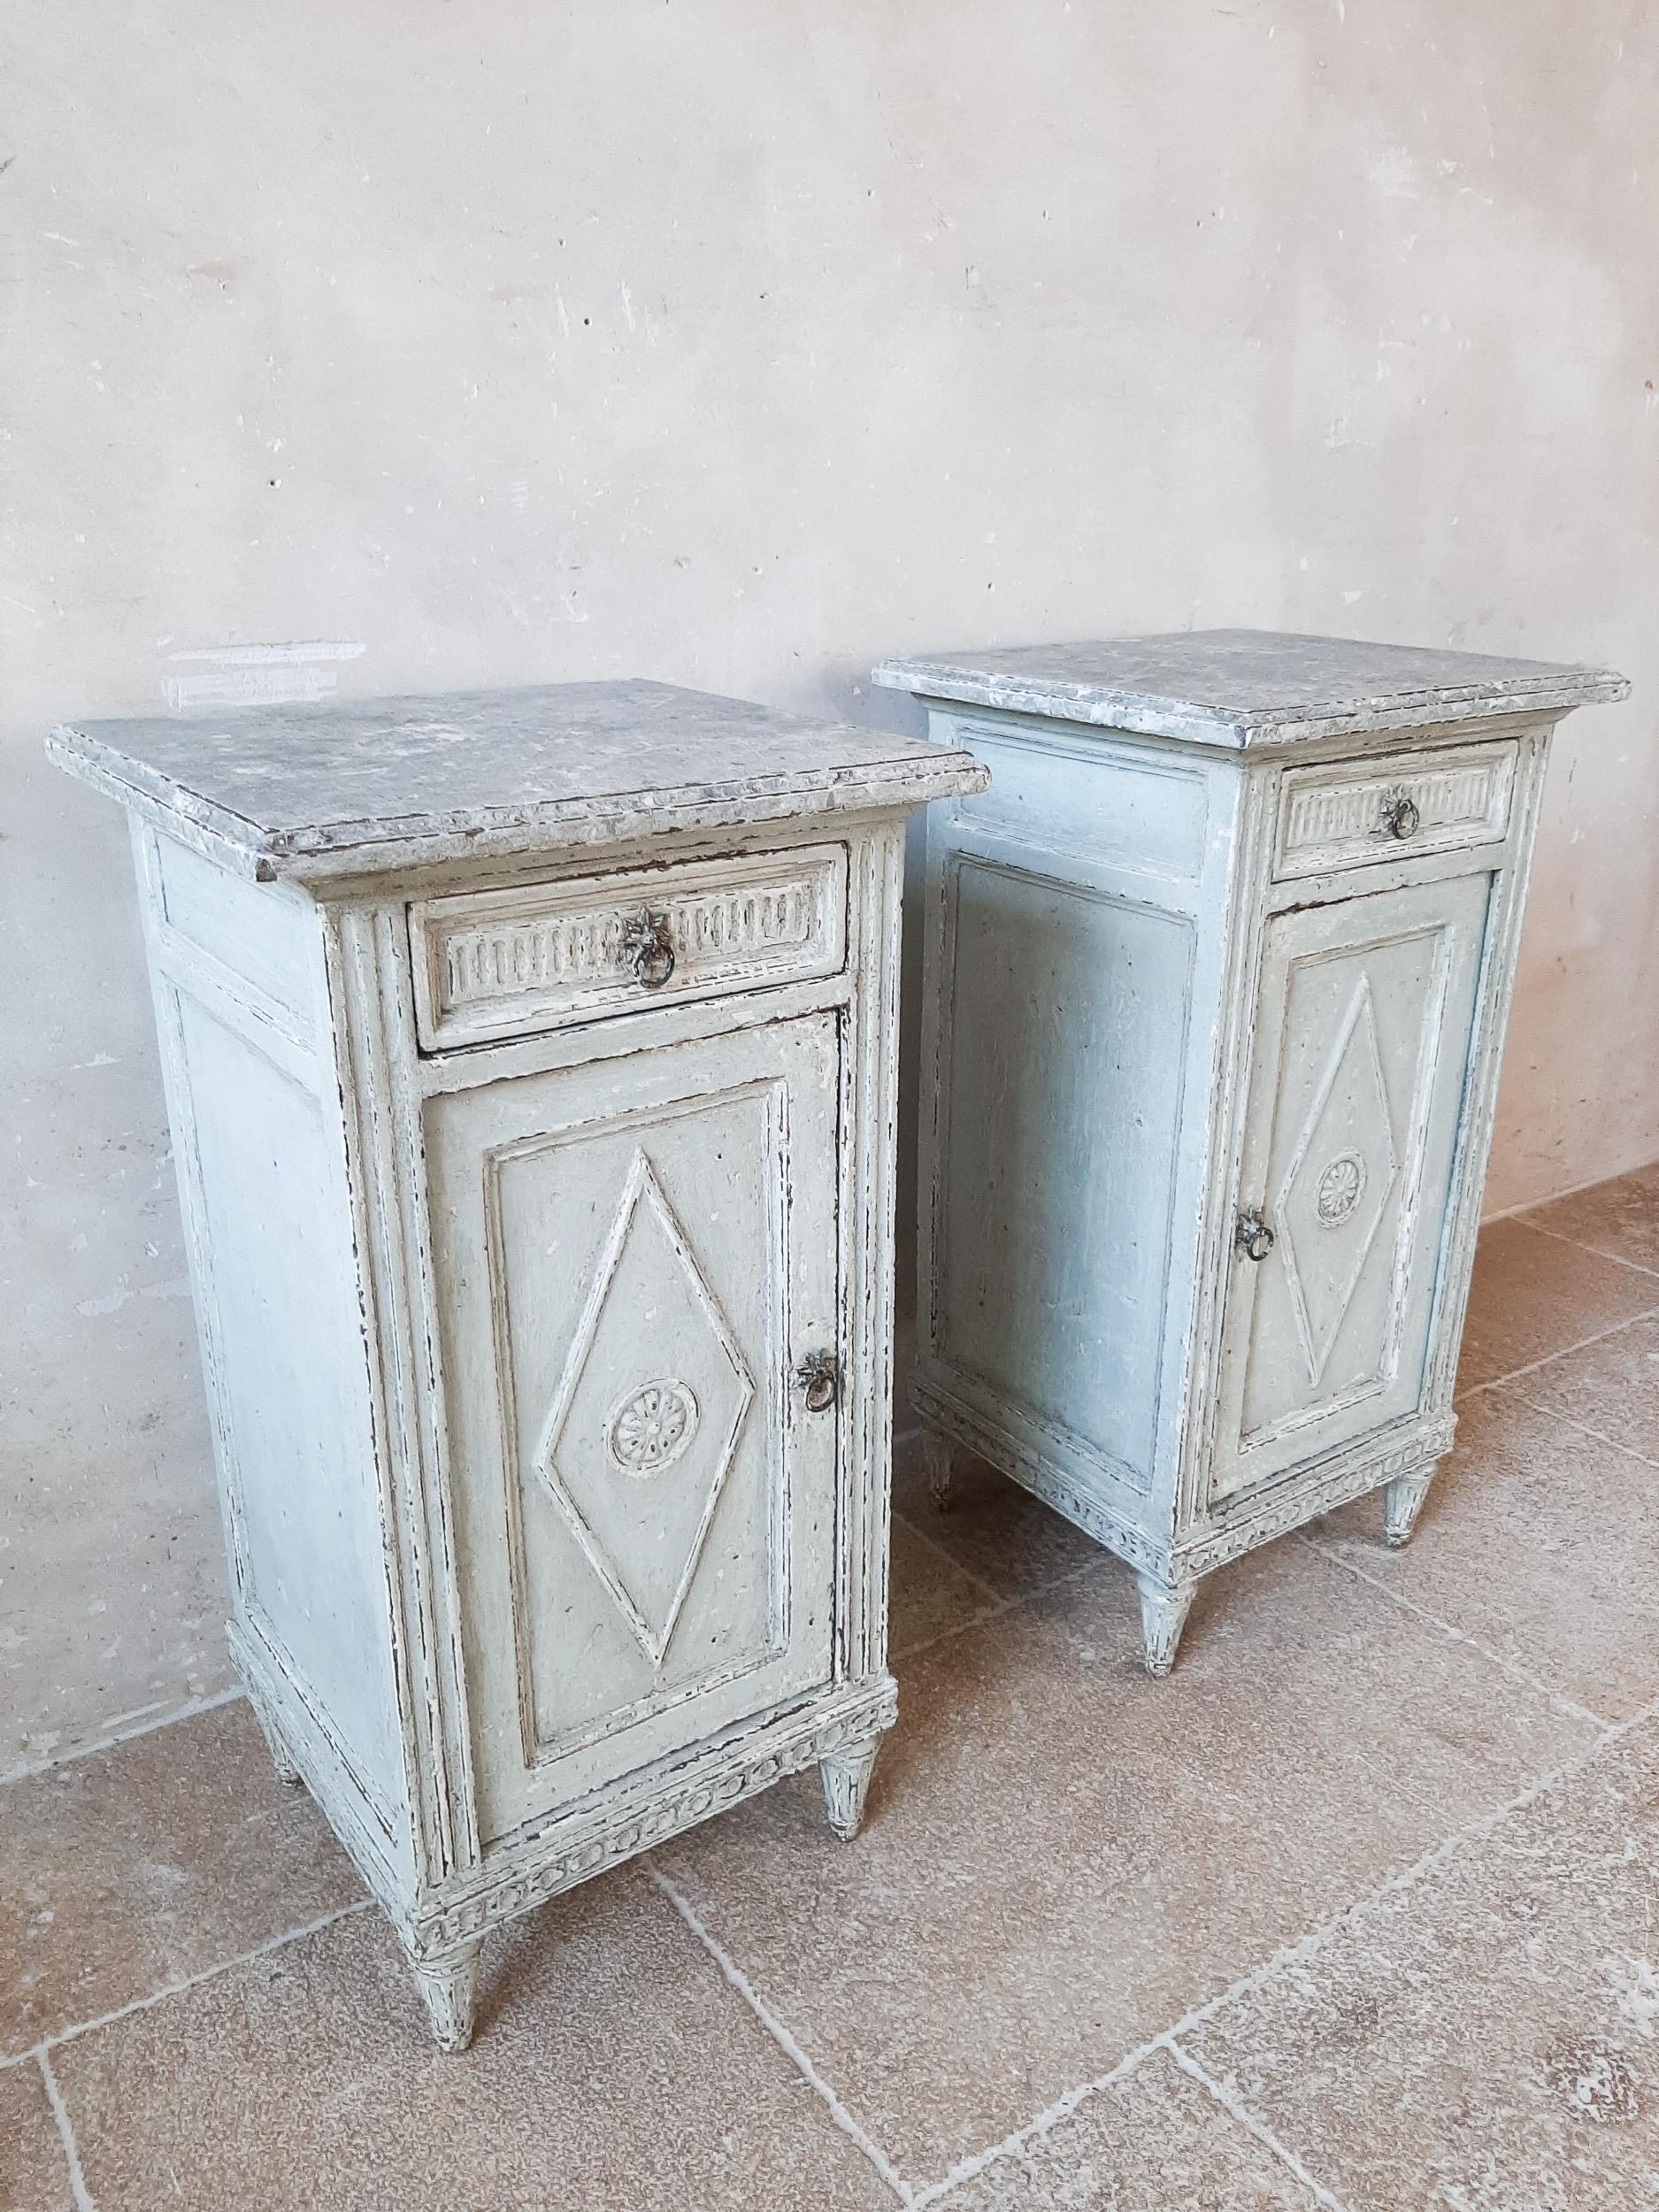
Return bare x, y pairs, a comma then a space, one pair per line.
1335, 1191
647, 1415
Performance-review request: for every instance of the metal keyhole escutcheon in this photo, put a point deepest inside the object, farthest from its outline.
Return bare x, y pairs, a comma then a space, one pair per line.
1400, 817
1252, 1236
648, 945
819, 1379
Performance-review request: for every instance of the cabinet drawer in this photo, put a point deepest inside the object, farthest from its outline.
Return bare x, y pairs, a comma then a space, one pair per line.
514, 963
1378, 809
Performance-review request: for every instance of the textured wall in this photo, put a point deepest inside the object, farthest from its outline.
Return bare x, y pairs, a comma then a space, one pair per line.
739, 345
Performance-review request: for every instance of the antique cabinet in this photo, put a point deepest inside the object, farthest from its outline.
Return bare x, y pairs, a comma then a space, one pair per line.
1216, 971
530, 1059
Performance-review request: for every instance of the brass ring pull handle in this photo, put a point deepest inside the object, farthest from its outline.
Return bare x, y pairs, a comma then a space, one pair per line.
819, 1379
1253, 1237
649, 949
1401, 817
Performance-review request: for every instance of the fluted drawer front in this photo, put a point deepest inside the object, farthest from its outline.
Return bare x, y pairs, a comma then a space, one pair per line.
496, 964
1380, 809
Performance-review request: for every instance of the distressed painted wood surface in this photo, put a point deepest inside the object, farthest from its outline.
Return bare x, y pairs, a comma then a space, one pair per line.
1242, 690
319, 790
539, 1208
1210, 1052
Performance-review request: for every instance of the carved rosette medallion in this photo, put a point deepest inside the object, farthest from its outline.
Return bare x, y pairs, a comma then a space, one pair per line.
1338, 1189
647, 1432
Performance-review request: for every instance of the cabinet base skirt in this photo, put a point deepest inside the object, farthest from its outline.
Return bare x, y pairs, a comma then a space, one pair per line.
442, 1931
842, 1727
1401, 1462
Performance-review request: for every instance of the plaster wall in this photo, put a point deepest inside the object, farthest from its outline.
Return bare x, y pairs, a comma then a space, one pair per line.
740, 346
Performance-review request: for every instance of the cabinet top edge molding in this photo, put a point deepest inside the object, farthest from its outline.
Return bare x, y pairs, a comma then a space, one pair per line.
1250, 690
312, 791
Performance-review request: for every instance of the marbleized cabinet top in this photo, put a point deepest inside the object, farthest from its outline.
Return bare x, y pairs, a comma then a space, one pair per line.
317, 790
1250, 690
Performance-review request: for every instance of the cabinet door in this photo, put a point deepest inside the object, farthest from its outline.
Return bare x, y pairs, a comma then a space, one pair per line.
1364, 1023
633, 1257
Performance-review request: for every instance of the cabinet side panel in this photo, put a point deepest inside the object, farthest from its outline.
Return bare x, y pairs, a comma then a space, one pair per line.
1062, 1045
288, 1351
255, 1118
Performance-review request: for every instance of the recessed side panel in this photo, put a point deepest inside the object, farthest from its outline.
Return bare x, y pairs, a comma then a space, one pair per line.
1367, 1007
287, 1368
635, 1257
1062, 1038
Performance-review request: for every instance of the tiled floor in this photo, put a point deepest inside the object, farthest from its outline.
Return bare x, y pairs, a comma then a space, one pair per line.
1359, 1909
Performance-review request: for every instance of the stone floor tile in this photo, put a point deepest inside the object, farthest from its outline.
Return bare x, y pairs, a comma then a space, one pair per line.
1062, 1857
1611, 1386
615, 2070
1485, 2040
1539, 1541
1533, 1295
930, 1595
140, 1865
33, 2173
999, 1533
1620, 1217
1156, 2142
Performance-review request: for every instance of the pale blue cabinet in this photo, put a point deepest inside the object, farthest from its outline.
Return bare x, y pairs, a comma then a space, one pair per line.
531, 1058
1216, 971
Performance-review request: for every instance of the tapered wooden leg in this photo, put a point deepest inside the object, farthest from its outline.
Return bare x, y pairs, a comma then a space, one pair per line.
1402, 1501
282, 1758
1163, 1616
845, 1786
938, 1458
449, 1988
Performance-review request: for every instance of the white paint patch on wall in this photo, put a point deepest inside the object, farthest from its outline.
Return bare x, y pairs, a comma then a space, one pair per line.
252, 675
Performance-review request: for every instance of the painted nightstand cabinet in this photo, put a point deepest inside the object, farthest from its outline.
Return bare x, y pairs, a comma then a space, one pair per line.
1217, 973
530, 1057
